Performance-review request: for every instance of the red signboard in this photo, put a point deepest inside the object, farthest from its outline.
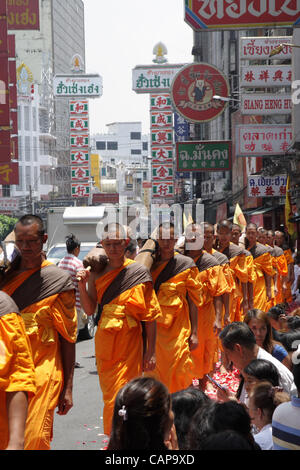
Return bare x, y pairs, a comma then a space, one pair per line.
9, 173
241, 14
23, 15
193, 90
3, 27
105, 198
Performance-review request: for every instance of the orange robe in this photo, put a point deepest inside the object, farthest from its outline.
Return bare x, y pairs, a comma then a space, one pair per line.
239, 316
44, 321
290, 260
239, 270
16, 366
214, 284
279, 265
174, 363
263, 265
118, 339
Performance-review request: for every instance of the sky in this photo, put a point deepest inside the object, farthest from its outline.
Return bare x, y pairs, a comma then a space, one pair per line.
121, 34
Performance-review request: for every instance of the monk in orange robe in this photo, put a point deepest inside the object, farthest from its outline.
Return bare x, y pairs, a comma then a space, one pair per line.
263, 268
235, 238
280, 241
126, 298
280, 267
17, 375
45, 296
214, 285
238, 266
180, 294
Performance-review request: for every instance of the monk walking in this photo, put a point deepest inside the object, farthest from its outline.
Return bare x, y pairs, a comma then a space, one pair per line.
179, 292
126, 298
45, 297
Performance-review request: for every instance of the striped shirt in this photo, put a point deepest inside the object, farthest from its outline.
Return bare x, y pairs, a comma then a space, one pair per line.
286, 425
72, 264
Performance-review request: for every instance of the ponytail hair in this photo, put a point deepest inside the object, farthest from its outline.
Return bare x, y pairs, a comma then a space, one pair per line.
72, 243
267, 398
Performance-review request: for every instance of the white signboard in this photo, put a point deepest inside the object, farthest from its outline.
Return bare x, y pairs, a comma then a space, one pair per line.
266, 104
267, 186
266, 75
253, 48
78, 86
9, 204
153, 79
263, 139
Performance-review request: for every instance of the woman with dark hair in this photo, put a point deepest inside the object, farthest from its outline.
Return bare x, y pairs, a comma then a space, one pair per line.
143, 418
185, 404
219, 417
259, 323
257, 371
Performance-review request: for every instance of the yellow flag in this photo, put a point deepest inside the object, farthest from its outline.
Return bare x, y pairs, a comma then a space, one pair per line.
187, 221
288, 210
239, 217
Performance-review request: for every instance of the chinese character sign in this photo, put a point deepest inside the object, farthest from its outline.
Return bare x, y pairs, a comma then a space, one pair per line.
267, 186
266, 75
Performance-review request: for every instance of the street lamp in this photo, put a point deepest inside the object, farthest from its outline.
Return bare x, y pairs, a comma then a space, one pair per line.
225, 98
279, 48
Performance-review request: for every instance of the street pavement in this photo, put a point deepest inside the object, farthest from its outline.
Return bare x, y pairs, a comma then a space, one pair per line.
82, 427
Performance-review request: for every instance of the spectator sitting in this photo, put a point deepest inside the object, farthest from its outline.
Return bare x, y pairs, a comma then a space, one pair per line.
143, 418
259, 323
263, 400
286, 417
240, 348
185, 403
219, 417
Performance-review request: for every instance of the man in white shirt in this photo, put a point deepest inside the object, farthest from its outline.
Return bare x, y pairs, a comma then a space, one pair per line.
239, 346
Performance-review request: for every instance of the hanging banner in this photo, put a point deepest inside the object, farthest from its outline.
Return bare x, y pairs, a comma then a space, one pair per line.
80, 173
181, 128
162, 189
4, 92
162, 137
79, 157
266, 75
241, 14
23, 15
161, 102
9, 173
161, 118
194, 89
267, 186
79, 124
260, 48
79, 108
162, 154
80, 190
162, 172
263, 139
266, 104
80, 141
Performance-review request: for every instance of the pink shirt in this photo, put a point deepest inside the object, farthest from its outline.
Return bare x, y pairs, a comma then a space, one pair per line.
72, 264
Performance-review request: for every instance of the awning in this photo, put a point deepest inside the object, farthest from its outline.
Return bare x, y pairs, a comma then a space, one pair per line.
262, 210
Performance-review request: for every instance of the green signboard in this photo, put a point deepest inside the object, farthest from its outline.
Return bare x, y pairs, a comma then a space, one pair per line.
204, 155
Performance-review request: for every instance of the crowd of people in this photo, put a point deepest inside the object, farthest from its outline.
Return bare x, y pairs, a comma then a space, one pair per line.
215, 300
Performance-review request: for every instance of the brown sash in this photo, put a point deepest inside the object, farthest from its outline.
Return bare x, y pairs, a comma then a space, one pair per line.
7, 305
258, 249
43, 283
176, 265
128, 277
233, 250
277, 251
206, 261
220, 257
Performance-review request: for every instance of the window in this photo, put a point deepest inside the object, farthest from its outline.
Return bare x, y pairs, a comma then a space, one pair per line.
27, 148
26, 118
112, 145
145, 145
101, 145
136, 152
135, 135
28, 177
19, 187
